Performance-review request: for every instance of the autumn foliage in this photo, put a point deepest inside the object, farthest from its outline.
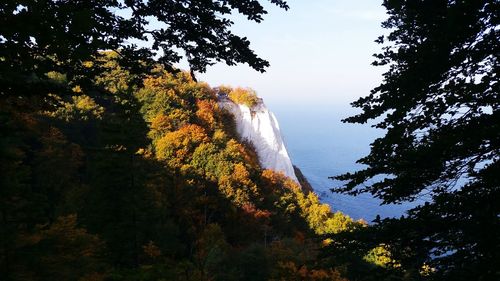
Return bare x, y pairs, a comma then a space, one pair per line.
149, 181
244, 96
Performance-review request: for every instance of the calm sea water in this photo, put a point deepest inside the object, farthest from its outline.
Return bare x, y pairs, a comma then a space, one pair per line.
322, 146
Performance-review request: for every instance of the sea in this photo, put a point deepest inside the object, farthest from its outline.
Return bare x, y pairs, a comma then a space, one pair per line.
322, 146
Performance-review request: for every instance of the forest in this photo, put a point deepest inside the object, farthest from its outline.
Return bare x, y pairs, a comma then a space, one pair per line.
116, 165
149, 182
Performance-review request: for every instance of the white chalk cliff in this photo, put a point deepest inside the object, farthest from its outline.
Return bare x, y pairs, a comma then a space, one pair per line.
259, 126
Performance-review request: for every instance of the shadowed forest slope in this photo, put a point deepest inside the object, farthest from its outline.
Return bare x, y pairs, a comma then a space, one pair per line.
147, 181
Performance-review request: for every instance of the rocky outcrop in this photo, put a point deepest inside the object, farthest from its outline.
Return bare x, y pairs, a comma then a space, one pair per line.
259, 126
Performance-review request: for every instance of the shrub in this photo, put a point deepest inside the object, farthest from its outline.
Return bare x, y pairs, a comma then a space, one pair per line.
244, 96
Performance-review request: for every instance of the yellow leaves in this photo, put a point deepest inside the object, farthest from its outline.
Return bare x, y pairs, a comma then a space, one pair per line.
114, 79
326, 242
237, 186
339, 222
80, 107
177, 147
179, 117
158, 82
57, 77
86, 103
426, 270
88, 64
225, 89
273, 177
230, 190
279, 180
160, 125
318, 216
219, 137
206, 113
187, 136
241, 174
239, 152
181, 85
227, 167
150, 83
381, 256
77, 89
244, 96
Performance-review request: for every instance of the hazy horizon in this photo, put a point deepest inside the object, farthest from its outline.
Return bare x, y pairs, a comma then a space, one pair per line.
320, 58
317, 52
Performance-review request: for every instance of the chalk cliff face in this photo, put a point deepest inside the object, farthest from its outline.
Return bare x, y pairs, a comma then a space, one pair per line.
259, 126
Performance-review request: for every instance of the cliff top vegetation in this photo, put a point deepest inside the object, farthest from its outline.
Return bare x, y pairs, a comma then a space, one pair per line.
239, 95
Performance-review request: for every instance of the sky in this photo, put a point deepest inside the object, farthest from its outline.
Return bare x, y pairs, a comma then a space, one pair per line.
320, 53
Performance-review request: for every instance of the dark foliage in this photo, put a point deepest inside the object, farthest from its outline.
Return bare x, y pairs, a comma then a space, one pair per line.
146, 182
41, 36
440, 106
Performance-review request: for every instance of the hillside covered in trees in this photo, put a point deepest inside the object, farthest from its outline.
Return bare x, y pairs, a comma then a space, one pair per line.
116, 165
148, 181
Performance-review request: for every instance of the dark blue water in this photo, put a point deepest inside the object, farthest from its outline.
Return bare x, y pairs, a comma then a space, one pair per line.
322, 146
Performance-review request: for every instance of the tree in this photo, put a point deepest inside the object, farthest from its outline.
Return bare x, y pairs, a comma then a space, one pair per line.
439, 104
41, 36
62, 251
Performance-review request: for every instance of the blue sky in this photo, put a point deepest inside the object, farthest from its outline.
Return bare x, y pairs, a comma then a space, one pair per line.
319, 50
320, 53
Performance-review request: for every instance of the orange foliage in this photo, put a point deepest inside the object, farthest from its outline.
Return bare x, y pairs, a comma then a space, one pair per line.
275, 179
250, 209
240, 174
206, 113
176, 147
290, 271
240, 153
238, 185
160, 125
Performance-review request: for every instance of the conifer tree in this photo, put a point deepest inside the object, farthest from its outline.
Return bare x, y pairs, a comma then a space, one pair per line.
439, 105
